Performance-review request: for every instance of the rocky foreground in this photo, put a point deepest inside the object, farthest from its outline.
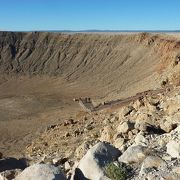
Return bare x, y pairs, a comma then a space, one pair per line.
138, 141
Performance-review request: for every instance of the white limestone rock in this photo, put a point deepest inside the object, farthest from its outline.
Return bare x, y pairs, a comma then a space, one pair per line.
92, 165
173, 149
134, 154
41, 172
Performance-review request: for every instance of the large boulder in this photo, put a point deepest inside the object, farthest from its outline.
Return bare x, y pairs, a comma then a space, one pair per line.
107, 134
140, 139
148, 127
152, 162
172, 105
173, 149
134, 154
84, 147
91, 166
41, 172
141, 125
167, 126
125, 127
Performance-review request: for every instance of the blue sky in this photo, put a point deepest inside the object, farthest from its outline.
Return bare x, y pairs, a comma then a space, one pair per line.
89, 14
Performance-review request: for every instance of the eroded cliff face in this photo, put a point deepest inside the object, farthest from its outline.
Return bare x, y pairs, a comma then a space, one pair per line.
168, 48
109, 61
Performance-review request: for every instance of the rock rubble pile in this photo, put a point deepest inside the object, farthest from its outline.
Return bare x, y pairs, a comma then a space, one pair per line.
140, 141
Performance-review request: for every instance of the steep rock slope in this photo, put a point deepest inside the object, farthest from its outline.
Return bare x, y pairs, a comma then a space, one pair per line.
112, 63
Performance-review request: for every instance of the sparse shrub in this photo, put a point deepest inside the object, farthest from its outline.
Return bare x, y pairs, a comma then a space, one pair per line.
114, 172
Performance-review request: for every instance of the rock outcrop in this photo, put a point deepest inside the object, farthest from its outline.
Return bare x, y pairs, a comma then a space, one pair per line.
41, 172
134, 154
92, 164
173, 148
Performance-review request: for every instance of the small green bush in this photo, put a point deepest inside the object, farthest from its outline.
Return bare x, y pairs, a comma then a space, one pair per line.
114, 172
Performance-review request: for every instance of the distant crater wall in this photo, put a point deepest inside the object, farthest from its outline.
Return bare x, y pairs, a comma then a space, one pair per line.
107, 60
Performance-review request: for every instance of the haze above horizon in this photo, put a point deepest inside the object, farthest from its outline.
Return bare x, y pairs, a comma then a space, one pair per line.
80, 15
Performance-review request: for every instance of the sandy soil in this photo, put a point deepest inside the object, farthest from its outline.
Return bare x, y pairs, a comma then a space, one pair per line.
28, 106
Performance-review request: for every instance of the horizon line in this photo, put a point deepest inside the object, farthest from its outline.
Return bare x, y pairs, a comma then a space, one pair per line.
90, 30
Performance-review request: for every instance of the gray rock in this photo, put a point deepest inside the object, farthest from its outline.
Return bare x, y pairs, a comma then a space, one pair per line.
170, 176
153, 176
140, 139
134, 154
67, 166
119, 142
167, 126
148, 128
141, 125
167, 158
107, 134
162, 142
91, 166
173, 149
125, 127
41, 172
83, 148
152, 162
176, 170
9, 174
